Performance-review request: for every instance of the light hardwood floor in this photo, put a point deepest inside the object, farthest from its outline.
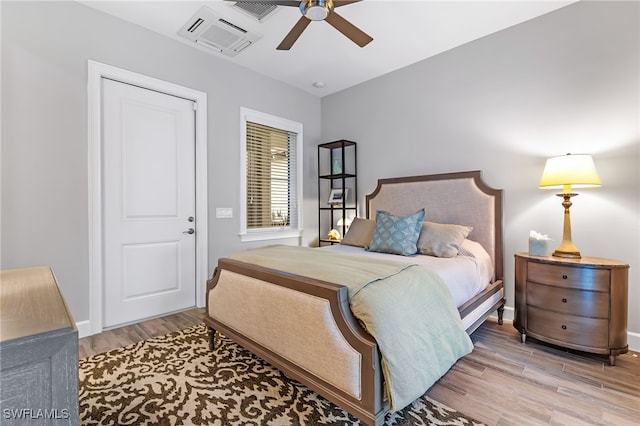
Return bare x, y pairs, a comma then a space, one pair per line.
129, 334
503, 382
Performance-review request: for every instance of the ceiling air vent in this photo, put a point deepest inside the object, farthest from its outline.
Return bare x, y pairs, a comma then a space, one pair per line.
256, 10
210, 31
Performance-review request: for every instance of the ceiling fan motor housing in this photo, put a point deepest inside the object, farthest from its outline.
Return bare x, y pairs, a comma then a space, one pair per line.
316, 10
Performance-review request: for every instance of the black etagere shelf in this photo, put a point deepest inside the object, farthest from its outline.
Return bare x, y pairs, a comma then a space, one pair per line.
337, 176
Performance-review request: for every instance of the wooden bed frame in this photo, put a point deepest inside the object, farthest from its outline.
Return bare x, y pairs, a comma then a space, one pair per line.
297, 345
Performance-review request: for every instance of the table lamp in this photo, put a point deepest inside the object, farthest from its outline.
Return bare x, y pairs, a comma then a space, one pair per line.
566, 171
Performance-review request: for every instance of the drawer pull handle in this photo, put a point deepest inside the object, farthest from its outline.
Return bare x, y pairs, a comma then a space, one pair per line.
564, 300
564, 327
564, 276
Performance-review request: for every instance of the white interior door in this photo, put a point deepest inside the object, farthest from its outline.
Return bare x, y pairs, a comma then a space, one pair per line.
149, 203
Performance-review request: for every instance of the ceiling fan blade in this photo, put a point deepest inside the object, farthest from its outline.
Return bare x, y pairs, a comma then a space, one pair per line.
295, 32
338, 3
354, 33
274, 2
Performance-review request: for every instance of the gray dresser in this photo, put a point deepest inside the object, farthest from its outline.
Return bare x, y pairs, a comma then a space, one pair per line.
38, 351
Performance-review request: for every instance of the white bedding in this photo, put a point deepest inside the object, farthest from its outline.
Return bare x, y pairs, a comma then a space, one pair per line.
465, 275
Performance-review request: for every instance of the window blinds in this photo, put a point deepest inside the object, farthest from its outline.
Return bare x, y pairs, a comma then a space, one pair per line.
271, 169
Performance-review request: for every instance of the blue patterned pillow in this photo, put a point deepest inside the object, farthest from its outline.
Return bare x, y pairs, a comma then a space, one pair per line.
396, 234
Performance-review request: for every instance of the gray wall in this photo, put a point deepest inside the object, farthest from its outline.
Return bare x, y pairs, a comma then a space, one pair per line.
564, 82
45, 48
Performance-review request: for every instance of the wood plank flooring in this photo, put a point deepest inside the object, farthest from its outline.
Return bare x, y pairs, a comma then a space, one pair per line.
127, 335
503, 382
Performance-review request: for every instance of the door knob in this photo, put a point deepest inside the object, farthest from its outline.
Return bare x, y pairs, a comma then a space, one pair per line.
189, 231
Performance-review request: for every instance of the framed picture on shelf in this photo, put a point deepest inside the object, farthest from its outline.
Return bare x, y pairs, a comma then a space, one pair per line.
338, 196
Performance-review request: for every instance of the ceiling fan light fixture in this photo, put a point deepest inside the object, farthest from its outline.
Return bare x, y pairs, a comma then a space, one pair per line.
316, 10
320, 10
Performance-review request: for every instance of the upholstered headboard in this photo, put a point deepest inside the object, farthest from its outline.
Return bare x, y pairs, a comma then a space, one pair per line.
458, 198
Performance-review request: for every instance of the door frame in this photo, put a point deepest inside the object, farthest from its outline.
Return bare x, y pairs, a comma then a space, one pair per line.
96, 72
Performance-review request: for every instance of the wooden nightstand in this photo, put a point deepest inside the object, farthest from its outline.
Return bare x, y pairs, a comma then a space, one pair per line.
575, 303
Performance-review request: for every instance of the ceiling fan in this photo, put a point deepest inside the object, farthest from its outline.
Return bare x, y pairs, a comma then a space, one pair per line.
319, 10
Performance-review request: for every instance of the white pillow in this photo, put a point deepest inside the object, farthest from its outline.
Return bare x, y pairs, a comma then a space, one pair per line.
471, 248
474, 249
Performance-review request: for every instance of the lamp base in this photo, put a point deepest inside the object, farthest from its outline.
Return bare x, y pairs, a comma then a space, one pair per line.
570, 255
567, 249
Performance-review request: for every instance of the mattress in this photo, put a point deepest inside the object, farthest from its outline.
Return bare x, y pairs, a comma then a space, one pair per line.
466, 275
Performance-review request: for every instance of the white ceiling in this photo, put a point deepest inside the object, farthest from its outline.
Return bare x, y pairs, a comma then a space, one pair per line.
404, 32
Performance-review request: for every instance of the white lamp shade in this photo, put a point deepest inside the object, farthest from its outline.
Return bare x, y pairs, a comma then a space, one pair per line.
346, 222
564, 171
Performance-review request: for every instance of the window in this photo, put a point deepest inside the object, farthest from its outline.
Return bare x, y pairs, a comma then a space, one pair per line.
271, 176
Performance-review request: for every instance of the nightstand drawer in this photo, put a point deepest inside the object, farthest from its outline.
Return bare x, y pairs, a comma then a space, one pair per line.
566, 276
568, 301
591, 332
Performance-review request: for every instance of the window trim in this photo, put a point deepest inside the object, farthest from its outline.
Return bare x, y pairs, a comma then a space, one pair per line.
248, 235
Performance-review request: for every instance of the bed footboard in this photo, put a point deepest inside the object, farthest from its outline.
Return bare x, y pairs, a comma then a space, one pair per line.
303, 327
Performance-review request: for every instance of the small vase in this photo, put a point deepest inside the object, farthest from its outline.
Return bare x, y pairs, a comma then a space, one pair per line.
337, 167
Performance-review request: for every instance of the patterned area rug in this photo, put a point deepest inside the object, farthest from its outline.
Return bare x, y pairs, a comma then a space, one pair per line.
176, 380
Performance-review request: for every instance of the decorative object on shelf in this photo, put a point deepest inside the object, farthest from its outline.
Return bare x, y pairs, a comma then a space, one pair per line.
337, 188
538, 244
565, 171
336, 167
338, 196
334, 235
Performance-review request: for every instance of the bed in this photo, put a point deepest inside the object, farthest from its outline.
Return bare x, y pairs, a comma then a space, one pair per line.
305, 326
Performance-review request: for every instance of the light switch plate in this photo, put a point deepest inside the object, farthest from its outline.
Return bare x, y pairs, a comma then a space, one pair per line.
224, 212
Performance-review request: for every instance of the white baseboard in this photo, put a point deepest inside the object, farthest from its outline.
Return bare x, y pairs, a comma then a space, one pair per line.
634, 341
507, 315
84, 328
